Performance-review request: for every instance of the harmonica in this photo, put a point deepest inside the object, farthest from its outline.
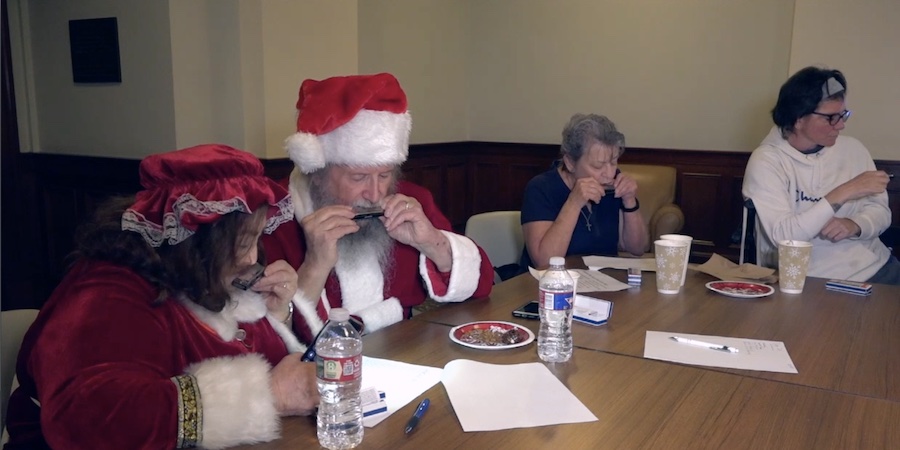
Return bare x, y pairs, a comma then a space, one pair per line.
249, 277
368, 213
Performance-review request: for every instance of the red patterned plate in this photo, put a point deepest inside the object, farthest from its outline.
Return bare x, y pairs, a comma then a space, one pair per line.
740, 289
491, 335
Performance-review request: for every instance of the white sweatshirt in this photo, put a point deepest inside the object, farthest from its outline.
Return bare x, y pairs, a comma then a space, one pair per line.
788, 189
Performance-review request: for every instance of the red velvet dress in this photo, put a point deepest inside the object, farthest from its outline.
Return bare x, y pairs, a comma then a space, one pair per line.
109, 369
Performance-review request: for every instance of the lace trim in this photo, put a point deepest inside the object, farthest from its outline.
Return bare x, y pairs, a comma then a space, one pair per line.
171, 230
190, 414
285, 214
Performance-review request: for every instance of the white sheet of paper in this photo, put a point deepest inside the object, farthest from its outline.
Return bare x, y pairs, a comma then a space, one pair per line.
589, 280
769, 356
612, 262
490, 397
400, 382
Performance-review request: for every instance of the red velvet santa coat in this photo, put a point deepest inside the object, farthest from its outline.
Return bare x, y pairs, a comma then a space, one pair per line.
109, 369
381, 299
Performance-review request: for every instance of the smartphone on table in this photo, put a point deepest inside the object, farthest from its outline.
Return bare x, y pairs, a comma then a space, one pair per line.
528, 311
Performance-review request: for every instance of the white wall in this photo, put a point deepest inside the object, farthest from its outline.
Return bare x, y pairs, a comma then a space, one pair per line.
239, 65
129, 119
689, 74
424, 43
301, 39
192, 27
862, 40
192, 72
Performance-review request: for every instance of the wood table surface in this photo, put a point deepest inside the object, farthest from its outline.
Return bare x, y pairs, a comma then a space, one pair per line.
838, 342
639, 403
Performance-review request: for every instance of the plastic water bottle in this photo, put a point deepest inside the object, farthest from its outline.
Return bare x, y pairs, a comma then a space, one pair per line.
339, 373
557, 289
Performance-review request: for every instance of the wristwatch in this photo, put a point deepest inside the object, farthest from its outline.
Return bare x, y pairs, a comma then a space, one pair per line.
634, 208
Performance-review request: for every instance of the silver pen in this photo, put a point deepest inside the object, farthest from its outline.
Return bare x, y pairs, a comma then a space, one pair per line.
694, 342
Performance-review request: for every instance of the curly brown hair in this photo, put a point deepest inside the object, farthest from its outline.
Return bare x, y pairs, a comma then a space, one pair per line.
194, 268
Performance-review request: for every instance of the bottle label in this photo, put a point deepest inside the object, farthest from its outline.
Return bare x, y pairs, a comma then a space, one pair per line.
556, 300
339, 369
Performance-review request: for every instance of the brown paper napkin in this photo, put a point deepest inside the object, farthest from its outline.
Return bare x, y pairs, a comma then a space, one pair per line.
723, 269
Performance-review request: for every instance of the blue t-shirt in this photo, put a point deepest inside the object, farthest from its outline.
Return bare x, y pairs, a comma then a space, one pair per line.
544, 197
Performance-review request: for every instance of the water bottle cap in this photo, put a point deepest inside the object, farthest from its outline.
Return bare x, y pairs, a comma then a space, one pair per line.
557, 261
338, 315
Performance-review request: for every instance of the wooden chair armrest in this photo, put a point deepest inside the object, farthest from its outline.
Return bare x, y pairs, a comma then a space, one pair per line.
667, 219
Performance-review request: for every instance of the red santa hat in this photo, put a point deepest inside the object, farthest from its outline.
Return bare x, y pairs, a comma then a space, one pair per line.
358, 120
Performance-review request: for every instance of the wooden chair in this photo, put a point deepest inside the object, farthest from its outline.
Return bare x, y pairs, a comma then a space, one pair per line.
656, 192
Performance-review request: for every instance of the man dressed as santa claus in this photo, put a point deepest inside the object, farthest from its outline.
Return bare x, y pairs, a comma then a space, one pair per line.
352, 136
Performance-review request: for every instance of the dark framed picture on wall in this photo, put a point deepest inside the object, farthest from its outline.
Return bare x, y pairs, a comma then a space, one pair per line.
94, 45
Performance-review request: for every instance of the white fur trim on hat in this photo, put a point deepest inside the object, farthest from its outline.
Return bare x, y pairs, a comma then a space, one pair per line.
465, 270
371, 138
236, 400
305, 151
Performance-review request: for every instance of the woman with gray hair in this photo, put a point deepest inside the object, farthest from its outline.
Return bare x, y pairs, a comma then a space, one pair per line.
575, 207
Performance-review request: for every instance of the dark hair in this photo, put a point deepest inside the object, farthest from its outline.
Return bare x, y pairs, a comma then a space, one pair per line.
194, 268
582, 130
801, 94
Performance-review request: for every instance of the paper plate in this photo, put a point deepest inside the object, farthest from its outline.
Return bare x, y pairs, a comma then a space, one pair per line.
740, 289
489, 335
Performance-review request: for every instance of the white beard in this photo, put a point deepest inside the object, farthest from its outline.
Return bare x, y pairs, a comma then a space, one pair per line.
363, 261
364, 257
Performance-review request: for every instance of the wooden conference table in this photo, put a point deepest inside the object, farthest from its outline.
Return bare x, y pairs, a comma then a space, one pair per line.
846, 394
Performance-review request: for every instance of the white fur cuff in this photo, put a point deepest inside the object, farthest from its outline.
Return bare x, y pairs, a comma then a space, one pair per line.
307, 309
286, 334
381, 314
465, 270
236, 401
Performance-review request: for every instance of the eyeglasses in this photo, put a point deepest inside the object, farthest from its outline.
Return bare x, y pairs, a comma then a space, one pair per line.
833, 119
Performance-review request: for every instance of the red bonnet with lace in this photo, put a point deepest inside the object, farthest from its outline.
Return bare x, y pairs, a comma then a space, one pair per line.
198, 185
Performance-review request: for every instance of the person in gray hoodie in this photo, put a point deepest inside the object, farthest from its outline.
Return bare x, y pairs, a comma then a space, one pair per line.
809, 183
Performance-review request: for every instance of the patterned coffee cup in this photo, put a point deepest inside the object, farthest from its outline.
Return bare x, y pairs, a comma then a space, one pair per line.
687, 254
793, 263
670, 265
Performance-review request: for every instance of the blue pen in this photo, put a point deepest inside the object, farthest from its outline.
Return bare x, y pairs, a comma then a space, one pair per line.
417, 416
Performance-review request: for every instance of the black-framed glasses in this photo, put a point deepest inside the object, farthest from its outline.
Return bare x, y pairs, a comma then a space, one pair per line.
834, 118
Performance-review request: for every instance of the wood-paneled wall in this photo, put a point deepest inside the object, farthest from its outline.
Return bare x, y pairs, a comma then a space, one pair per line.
55, 193
473, 177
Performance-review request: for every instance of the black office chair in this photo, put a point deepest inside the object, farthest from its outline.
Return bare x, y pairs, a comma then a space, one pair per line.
891, 238
748, 234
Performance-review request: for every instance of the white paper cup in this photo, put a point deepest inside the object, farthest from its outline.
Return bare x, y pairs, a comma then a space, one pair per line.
575, 275
670, 263
687, 255
793, 264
